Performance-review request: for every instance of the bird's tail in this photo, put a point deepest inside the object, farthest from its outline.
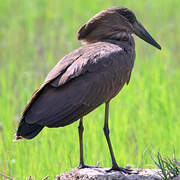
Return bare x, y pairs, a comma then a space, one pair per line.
27, 131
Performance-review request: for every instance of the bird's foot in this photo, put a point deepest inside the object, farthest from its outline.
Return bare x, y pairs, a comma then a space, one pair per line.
120, 169
81, 166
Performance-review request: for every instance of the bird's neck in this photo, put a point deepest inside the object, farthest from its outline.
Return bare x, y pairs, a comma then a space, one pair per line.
120, 36
123, 36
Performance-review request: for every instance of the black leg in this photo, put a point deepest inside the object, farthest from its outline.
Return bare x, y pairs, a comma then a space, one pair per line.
81, 129
106, 132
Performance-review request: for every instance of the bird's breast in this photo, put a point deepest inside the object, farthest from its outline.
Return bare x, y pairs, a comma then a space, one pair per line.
119, 71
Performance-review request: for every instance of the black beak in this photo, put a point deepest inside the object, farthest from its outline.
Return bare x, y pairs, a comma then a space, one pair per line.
140, 31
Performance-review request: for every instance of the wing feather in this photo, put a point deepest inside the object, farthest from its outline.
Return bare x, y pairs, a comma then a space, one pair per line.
57, 71
74, 88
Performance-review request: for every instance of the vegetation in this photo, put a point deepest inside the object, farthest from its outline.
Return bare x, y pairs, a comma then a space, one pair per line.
144, 117
169, 167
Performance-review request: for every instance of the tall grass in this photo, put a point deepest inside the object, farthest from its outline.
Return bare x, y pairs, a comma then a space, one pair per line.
144, 117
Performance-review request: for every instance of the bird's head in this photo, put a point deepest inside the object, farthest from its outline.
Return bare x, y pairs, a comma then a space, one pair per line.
114, 23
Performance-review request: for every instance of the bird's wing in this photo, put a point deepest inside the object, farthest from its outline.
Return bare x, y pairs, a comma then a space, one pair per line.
58, 70
88, 82
96, 58
63, 64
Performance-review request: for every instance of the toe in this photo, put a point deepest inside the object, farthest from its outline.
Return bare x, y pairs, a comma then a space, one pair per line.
120, 169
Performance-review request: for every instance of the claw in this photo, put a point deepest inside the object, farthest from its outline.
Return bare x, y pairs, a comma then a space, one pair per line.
124, 170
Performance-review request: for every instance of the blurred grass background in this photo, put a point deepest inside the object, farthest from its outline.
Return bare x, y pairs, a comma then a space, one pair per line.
144, 117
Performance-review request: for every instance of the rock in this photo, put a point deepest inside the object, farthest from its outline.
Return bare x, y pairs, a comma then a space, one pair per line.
101, 174
177, 178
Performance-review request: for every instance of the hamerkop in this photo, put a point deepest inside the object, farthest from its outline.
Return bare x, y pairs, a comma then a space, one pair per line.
87, 77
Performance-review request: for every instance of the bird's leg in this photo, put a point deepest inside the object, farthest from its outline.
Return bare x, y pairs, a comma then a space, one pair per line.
106, 132
81, 129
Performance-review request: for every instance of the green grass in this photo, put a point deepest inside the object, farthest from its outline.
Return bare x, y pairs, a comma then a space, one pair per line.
169, 167
144, 117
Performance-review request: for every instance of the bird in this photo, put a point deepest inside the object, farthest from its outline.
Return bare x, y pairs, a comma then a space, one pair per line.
87, 77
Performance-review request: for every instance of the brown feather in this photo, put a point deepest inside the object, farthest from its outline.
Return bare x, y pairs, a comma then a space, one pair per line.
107, 24
79, 89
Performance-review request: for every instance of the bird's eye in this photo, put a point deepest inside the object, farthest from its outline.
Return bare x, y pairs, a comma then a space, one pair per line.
128, 15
